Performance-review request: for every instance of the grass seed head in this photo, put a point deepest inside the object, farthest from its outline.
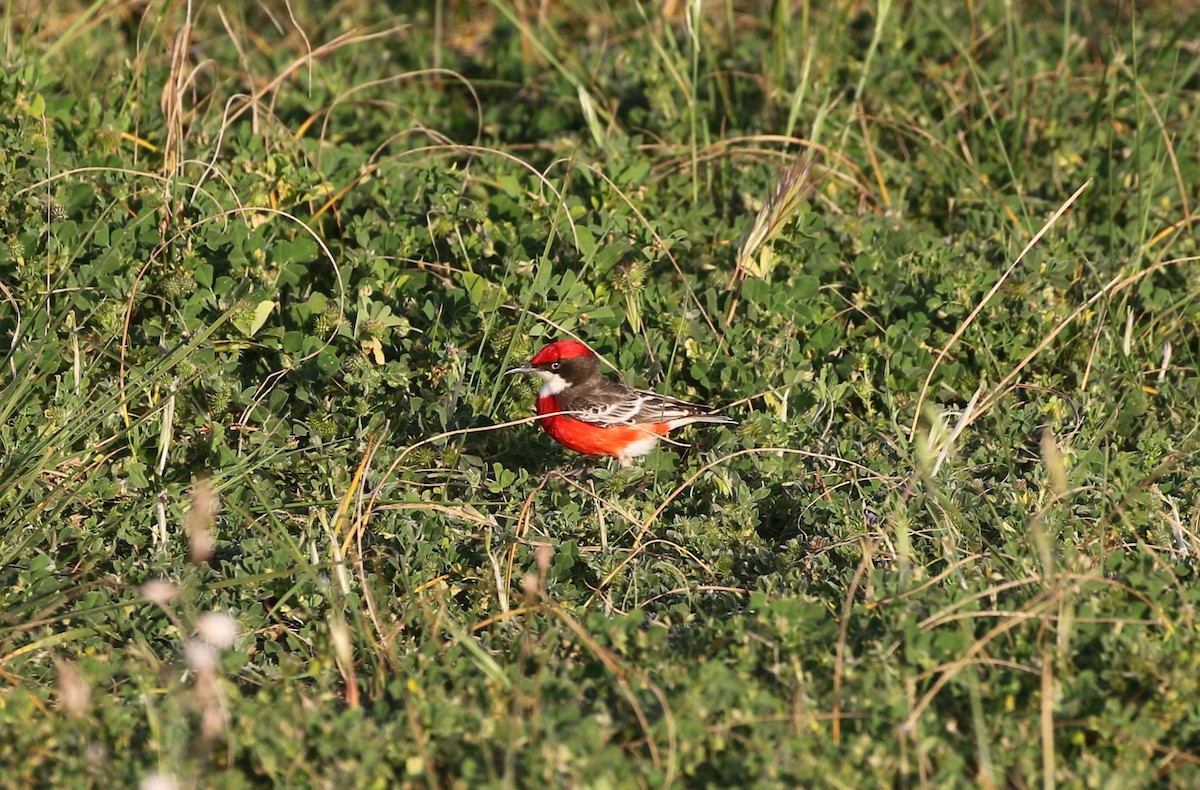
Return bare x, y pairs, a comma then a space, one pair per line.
327, 321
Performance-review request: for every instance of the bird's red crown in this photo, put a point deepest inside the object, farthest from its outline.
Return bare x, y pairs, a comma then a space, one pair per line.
560, 350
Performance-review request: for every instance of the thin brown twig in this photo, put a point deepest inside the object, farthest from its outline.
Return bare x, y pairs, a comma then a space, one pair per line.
839, 660
645, 527
970, 319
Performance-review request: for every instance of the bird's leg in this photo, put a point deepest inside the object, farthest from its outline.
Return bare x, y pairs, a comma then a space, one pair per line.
578, 472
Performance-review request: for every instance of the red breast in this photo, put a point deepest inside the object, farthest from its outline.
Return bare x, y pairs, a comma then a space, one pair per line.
584, 437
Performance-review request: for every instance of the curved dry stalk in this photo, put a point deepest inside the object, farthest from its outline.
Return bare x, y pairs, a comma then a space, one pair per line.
266, 387
457, 512
254, 101
637, 547
622, 671
880, 181
949, 671
369, 171
970, 319
839, 660
1034, 611
349, 38
666, 251
355, 487
11, 298
462, 432
961, 158
950, 570
729, 147
357, 529
344, 97
684, 552
990, 592
1115, 285
1180, 184
505, 615
697, 588
524, 519
124, 171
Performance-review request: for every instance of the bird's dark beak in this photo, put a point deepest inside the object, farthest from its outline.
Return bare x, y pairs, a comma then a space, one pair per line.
522, 369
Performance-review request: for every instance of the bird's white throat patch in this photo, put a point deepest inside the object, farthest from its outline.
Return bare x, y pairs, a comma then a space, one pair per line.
552, 383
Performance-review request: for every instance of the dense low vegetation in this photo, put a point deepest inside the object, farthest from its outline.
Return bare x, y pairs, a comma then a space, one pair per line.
272, 515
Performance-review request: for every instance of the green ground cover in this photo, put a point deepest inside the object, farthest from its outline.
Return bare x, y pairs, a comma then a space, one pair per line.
261, 266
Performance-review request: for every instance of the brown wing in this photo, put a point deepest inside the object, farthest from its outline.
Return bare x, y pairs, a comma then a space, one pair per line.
613, 403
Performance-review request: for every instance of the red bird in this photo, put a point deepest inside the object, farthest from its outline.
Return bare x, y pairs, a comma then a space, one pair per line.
597, 416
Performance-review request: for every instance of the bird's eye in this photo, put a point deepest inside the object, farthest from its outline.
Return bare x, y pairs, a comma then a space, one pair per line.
555, 365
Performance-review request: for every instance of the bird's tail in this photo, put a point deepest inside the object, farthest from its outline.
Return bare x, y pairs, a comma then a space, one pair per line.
691, 419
